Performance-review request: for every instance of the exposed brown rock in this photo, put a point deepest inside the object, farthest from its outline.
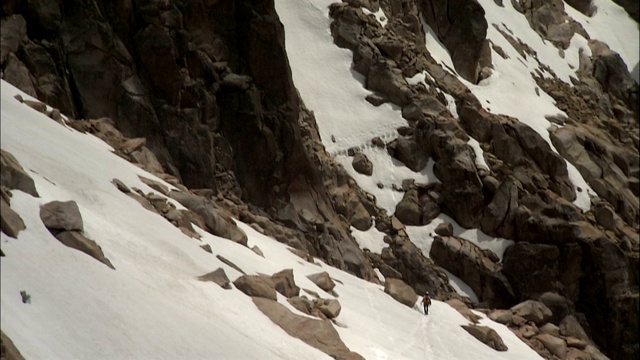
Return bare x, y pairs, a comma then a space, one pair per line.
13, 175
285, 284
323, 280
8, 350
218, 276
486, 335
533, 311
255, 286
317, 333
400, 291
75, 240
475, 267
61, 215
11, 222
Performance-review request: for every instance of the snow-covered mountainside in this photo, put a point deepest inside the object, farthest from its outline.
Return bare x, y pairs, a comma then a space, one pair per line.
152, 305
285, 179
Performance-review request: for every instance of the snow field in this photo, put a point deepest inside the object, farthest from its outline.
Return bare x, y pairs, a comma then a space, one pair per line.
152, 306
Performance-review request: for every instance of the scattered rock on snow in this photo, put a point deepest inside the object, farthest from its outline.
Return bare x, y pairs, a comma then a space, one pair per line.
256, 286
13, 176
218, 276
400, 291
323, 280
317, 333
487, 335
61, 215
362, 164
75, 240
10, 221
285, 284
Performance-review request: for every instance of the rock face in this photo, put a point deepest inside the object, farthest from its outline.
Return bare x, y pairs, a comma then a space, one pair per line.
477, 268
59, 215
454, 21
215, 112
317, 333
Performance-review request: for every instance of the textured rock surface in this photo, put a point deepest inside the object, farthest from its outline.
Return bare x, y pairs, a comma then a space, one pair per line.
317, 333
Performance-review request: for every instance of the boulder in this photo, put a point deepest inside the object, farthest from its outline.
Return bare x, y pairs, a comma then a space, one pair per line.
217, 276
444, 229
531, 310
569, 326
400, 291
216, 223
550, 329
61, 215
360, 218
76, 240
362, 164
408, 209
255, 286
408, 152
301, 303
323, 280
285, 284
463, 309
502, 316
329, 307
9, 350
559, 305
487, 336
13, 176
556, 346
319, 334
10, 221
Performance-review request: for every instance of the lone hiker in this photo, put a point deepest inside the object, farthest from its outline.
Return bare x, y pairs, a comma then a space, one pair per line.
426, 301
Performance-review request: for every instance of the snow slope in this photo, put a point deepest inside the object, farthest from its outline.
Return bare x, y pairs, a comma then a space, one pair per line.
152, 306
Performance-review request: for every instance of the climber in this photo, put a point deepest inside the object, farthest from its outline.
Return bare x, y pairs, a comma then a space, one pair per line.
426, 301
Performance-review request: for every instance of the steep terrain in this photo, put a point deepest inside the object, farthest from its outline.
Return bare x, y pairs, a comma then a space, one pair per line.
485, 151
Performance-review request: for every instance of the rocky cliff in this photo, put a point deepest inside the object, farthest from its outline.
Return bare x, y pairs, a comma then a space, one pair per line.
208, 84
